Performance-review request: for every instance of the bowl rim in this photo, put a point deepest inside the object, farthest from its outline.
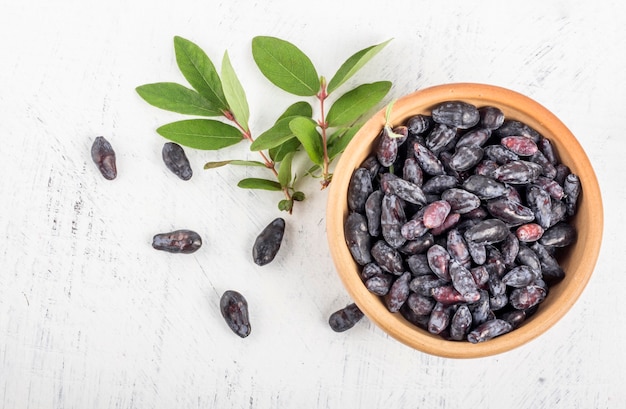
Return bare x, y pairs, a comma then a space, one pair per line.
394, 324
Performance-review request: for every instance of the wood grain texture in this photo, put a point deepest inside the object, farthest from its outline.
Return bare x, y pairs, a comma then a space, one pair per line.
92, 316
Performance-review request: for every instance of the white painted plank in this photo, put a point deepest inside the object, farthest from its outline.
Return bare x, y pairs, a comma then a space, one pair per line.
92, 316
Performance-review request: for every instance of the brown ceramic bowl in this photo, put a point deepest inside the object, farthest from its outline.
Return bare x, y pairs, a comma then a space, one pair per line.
578, 261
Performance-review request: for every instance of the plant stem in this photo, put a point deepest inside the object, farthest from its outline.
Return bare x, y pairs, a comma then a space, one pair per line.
270, 164
322, 95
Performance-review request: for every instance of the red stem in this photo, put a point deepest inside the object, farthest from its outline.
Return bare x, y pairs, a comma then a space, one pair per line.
271, 165
322, 95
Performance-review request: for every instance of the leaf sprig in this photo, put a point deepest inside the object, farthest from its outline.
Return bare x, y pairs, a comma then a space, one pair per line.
221, 95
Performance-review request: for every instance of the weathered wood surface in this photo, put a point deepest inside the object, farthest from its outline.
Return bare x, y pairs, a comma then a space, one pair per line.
92, 317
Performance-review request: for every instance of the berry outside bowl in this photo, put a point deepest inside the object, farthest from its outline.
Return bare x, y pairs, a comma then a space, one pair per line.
578, 260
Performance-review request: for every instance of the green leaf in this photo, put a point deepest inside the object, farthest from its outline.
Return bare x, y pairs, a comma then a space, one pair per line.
285, 65
276, 135
284, 171
338, 141
280, 133
206, 134
256, 183
199, 71
354, 64
235, 95
301, 108
351, 105
219, 164
298, 196
388, 110
285, 205
177, 98
305, 130
314, 171
278, 153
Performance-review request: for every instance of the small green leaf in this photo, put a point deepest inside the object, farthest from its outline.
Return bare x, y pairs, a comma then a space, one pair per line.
219, 164
199, 70
256, 183
285, 65
313, 171
284, 170
351, 105
177, 98
234, 93
206, 134
388, 110
305, 130
280, 133
354, 64
285, 205
301, 108
298, 196
276, 135
338, 141
278, 153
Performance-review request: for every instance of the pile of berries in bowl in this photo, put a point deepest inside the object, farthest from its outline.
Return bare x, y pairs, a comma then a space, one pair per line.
464, 220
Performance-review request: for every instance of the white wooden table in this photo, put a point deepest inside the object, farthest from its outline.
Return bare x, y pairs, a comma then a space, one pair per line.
92, 317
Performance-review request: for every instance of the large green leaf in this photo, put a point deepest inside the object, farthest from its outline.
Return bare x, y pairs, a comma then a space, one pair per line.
284, 171
177, 98
353, 64
206, 134
256, 183
285, 65
351, 105
305, 130
234, 93
198, 69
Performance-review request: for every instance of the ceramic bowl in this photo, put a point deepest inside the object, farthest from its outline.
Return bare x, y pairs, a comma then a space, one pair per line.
578, 260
